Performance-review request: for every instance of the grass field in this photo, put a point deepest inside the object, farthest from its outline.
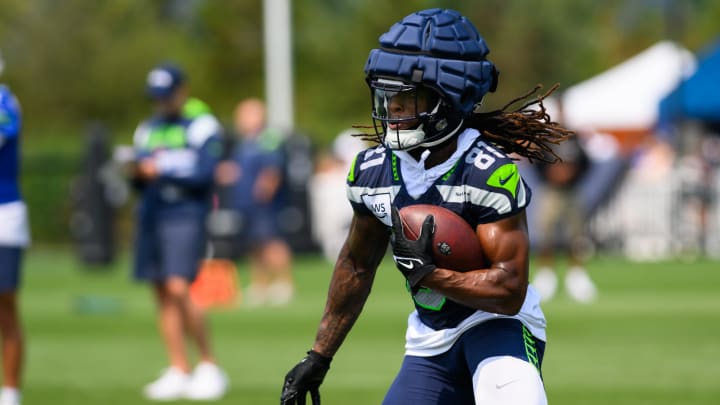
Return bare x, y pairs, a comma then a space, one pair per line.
652, 338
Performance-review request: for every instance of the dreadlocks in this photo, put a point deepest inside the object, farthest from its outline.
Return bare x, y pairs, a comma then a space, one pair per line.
526, 131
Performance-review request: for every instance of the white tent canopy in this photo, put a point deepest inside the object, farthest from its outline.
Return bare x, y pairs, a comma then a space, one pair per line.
626, 97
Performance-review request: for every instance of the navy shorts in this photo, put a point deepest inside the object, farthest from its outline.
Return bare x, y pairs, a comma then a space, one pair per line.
172, 247
260, 226
10, 262
446, 379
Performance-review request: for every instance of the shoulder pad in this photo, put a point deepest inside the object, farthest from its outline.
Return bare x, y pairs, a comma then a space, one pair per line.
367, 164
490, 182
203, 128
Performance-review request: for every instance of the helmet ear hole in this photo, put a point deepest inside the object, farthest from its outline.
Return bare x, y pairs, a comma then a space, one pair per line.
441, 125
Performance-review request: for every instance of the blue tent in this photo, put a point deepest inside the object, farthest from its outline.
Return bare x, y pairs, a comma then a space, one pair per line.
698, 96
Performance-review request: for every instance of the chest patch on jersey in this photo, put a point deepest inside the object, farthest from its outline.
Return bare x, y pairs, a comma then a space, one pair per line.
505, 176
166, 137
380, 205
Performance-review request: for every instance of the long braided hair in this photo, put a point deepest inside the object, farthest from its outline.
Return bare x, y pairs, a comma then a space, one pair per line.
527, 130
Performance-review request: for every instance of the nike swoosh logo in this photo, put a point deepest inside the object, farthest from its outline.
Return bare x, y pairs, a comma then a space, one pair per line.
500, 386
408, 266
406, 262
506, 179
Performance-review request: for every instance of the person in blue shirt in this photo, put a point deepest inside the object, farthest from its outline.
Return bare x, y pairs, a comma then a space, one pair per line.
255, 175
561, 221
477, 336
14, 238
176, 151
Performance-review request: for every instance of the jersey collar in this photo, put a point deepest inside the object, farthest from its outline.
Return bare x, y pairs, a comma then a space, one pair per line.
417, 179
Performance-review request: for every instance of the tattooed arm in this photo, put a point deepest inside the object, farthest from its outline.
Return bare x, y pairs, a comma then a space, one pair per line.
351, 281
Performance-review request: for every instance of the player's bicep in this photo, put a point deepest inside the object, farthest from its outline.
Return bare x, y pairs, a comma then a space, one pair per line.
506, 244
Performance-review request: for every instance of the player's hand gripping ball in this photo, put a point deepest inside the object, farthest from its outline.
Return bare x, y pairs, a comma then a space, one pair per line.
455, 246
412, 256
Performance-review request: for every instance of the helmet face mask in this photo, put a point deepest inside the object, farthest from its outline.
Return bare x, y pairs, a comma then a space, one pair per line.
407, 116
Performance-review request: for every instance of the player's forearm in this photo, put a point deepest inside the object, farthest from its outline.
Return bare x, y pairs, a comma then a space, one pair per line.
499, 289
349, 288
267, 185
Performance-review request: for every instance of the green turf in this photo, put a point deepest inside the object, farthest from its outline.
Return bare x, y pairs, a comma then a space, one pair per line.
652, 338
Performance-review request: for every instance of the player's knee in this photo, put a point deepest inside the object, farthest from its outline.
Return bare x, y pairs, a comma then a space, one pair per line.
276, 252
176, 288
8, 311
8, 302
508, 380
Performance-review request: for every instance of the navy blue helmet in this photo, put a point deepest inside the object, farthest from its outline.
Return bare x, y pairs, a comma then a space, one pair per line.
437, 59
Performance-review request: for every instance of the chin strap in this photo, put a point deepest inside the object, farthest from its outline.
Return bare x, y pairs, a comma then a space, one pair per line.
443, 139
409, 139
405, 139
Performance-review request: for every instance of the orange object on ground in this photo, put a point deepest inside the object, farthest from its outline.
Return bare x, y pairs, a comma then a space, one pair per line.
216, 285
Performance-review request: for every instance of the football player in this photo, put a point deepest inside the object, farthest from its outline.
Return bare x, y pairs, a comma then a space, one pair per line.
177, 150
14, 238
475, 337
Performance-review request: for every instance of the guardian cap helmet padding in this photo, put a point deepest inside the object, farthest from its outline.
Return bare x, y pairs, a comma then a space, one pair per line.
437, 49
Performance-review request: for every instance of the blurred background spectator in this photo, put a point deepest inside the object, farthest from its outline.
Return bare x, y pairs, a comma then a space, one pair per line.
561, 224
569, 193
331, 212
14, 239
176, 152
255, 173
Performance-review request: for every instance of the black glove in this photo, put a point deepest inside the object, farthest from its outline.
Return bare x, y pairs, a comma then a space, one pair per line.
413, 257
305, 377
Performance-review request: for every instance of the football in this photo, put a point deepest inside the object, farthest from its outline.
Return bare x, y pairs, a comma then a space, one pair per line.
455, 244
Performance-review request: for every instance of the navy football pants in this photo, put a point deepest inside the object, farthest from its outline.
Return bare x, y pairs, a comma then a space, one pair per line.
446, 379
